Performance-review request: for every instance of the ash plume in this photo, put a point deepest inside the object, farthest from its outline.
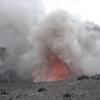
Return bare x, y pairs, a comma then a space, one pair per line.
28, 36
77, 43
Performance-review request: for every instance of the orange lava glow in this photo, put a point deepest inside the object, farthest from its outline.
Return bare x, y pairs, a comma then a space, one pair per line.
55, 69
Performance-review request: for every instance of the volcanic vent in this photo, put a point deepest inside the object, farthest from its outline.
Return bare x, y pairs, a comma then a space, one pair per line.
73, 47
54, 69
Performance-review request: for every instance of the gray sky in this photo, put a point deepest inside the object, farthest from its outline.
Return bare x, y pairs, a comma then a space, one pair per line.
85, 9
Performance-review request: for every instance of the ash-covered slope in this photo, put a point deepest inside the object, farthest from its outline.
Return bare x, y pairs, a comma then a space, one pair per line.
87, 89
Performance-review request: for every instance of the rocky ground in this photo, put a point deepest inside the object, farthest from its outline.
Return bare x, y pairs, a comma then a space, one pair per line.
81, 88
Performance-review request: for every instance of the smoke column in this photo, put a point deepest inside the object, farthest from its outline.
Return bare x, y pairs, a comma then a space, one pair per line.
75, 42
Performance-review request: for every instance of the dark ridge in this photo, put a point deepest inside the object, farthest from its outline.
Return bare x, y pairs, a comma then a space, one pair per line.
82, 77
95, 77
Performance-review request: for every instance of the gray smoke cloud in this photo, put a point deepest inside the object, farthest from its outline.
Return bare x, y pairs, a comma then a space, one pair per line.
27, 34
17, 20
77, 43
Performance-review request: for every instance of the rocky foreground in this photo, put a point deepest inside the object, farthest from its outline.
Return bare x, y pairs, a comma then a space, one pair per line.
82, 88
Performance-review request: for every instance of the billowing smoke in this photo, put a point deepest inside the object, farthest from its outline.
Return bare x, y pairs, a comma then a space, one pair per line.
31, 45
17, 20
76, 43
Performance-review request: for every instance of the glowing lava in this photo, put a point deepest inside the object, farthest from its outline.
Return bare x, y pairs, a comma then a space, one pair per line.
59, 70
54, 69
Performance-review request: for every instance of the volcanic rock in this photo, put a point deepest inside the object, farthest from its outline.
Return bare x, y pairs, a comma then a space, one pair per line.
60, 90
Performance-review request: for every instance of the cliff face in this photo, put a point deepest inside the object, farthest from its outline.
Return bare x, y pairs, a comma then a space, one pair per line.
6, 74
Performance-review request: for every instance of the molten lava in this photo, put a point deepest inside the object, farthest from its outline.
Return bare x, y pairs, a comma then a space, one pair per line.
54, 69
59, 70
